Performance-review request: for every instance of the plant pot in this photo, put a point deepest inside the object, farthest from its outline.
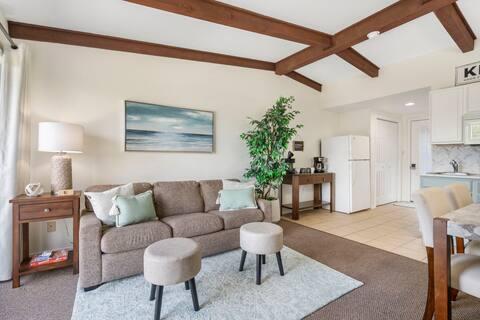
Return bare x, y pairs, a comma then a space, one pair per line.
275, 205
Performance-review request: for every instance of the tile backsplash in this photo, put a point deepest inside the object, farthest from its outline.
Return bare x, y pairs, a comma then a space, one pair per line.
468, 157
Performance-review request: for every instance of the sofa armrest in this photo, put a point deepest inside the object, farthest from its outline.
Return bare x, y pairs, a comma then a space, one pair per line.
266, 207
90, 255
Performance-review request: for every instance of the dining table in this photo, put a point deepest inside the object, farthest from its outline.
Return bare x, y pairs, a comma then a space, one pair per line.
461, 223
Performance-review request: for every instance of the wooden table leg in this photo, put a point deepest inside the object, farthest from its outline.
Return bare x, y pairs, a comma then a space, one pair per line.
317, 198
280, 198
15, 249
332, 194
441, 244
76, 222
460, 245
295, 198
25, 241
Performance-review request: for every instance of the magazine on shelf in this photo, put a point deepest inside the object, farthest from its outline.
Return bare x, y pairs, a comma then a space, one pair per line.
49, 257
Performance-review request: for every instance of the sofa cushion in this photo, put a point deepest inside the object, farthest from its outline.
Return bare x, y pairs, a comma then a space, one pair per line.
138, 187
194, 224
177, 197
210, 190
136, 236
236, 218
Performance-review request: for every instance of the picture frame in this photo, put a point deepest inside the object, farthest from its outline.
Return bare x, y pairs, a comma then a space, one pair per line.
160, 128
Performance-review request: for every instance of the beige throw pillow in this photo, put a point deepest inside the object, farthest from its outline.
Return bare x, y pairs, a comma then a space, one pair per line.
102, 202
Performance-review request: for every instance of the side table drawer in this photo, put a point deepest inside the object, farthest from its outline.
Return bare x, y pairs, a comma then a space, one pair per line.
46, 210
308, 179
328, 178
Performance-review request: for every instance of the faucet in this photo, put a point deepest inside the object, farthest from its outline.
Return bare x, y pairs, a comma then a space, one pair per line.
454, 164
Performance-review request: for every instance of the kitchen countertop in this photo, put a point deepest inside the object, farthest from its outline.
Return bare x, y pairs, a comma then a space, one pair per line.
438, 175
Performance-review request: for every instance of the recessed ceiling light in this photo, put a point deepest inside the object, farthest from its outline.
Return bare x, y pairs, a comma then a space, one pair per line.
373, 34
409, 104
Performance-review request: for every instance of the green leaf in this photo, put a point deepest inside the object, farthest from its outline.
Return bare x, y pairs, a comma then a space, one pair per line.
267, 141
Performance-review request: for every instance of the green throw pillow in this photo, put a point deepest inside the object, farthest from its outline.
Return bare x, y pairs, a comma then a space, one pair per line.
134, 209
236, 199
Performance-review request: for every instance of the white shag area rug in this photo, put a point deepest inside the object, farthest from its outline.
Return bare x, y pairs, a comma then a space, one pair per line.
224, 292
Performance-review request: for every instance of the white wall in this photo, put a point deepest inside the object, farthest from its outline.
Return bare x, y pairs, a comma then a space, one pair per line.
436, 70
88, 87
355, 122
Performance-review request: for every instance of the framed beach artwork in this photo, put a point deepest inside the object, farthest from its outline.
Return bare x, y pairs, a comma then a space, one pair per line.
154, 127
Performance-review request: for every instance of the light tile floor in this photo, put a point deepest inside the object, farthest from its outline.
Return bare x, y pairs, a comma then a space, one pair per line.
389, 227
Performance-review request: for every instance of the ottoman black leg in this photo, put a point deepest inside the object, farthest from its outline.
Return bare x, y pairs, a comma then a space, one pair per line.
263, 259
187, 285
158, 302
280, 265
193, 289
259, 269
152, 292
242, 260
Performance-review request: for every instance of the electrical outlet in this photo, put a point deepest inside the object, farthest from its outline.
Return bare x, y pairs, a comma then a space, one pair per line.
51, 226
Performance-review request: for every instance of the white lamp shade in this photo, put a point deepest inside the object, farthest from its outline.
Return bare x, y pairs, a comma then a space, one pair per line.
60, 137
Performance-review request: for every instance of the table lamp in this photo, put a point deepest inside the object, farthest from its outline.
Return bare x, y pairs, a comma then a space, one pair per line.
61, 138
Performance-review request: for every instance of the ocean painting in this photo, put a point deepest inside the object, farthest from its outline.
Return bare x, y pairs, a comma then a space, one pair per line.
151, 127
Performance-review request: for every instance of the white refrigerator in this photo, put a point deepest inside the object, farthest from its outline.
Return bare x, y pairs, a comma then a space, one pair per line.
349, 158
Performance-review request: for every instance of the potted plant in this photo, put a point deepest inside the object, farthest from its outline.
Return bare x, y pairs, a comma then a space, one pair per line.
267, 142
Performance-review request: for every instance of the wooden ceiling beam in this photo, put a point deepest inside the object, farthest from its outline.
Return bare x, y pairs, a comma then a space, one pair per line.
360, 62
389, 18
228, 15
26, 31
457, 26
84, 39
231, 16
306, 81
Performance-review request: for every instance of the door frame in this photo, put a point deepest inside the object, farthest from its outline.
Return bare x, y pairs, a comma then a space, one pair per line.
407, 186
373, 132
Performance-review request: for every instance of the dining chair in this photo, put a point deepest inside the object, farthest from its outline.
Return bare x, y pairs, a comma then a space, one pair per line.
459, 196
465, 268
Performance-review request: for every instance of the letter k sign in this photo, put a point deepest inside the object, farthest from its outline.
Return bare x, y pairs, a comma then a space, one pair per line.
470, 72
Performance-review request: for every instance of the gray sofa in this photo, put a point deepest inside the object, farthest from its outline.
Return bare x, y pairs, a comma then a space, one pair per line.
184, 208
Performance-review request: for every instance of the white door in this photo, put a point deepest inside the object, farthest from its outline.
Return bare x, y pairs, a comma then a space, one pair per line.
386, 161
420, 152
360, 185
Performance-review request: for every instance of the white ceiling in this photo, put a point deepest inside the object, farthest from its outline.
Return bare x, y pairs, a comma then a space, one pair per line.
123, 19
393, 104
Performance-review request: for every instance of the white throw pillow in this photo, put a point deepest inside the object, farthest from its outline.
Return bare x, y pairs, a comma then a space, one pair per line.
102, 203
231, 185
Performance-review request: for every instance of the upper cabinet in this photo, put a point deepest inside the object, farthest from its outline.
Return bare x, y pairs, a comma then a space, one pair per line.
472, 97
446, 115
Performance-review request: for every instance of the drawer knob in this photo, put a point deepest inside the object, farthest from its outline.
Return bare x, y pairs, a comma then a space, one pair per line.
46, 210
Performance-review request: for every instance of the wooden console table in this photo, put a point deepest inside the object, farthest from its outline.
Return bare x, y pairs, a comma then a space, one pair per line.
317, 179
42, 208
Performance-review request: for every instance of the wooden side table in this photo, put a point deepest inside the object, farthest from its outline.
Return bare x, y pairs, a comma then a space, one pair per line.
42, 208
300, 179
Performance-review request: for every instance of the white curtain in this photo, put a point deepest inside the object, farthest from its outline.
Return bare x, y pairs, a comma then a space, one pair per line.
14, 137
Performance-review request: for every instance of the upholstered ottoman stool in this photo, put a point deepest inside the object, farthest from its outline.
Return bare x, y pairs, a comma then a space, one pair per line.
169, 262
261, 238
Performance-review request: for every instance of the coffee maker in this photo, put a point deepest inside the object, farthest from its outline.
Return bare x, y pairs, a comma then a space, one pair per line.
290, 161
320, 164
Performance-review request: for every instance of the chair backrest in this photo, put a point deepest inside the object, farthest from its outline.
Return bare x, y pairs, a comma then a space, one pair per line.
459, 195
430, 203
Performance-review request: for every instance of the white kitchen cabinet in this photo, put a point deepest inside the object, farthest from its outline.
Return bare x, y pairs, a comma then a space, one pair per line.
446, 115
472, 97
